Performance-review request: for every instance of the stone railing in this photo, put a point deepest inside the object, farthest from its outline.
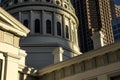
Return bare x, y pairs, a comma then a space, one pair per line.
80, 64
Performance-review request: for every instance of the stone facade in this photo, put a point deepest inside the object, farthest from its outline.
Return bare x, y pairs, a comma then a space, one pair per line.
11, 55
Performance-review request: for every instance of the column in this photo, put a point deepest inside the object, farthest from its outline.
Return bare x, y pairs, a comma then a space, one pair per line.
70, 29
63, 26
11, 67
20, 19
58, 54
31, 25
97, 38
54, 24
43, 22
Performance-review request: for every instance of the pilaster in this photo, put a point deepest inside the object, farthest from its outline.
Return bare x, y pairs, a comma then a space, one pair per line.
58, 54
97, 39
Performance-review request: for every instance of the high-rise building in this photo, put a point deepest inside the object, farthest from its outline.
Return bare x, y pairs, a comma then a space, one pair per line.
85, 41
95, 28
117, 9
116, 29
53, 25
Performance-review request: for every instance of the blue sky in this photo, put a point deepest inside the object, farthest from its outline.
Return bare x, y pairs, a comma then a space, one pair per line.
117, 2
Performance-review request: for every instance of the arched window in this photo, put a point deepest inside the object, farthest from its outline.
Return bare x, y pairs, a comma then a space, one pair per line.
25, 22
67, 32
48, 27
58, 28
37, 26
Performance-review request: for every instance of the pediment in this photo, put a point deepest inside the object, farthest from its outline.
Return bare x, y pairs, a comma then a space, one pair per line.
9, 23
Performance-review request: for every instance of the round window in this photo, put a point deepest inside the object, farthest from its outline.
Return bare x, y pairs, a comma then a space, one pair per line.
65, 5
57, 2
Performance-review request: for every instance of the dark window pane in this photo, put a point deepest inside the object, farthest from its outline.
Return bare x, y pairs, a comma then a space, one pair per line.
25, 22
37, 26
118, 25
114, 27
48, 26
118, 30
67, 32
58, 28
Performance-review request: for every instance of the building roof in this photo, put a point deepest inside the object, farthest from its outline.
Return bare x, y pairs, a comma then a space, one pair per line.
10, 24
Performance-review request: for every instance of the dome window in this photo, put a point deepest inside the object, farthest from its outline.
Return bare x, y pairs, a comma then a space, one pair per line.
25, 22
58, 28
57, 2
48, 27
65, 5
37, 26
67, 32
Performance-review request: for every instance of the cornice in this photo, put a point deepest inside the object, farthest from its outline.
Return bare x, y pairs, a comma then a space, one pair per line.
86, 56
35, 4
9, 28
9, 23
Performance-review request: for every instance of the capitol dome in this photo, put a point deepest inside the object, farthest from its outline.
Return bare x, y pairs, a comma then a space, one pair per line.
53, 25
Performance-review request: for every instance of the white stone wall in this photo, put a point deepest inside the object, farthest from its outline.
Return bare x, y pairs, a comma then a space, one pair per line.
11, 56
